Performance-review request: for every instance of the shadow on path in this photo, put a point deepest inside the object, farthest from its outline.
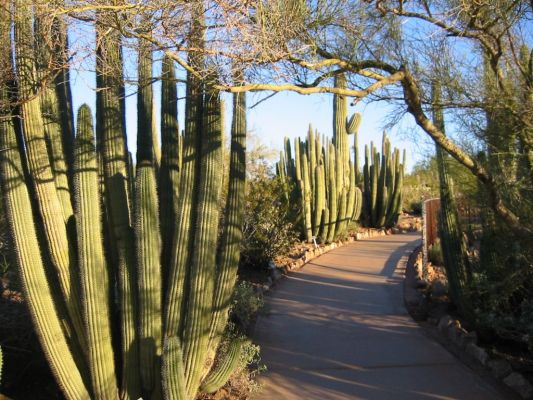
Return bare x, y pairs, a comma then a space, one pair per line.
337, 329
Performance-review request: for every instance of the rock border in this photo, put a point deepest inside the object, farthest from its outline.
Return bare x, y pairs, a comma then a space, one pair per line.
460, 342
276, 272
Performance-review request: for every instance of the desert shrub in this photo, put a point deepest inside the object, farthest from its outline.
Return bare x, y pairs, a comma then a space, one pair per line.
245, 304
267, 230
415, 207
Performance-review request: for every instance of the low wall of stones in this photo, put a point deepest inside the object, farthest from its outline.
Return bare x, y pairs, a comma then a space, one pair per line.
277, 271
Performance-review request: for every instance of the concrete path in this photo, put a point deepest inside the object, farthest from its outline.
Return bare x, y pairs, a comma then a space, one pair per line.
338, 329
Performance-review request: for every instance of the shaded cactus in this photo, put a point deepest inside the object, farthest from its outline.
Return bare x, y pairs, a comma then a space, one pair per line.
229, 250
52, 117
117, 175
148, 245
48, 201
173, 374
453, 247
171, 160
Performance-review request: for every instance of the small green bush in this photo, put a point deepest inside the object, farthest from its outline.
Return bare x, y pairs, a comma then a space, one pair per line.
416, 207
267, 232
246, 304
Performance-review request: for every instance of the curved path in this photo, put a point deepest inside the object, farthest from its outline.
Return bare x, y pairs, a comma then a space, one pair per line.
338, 329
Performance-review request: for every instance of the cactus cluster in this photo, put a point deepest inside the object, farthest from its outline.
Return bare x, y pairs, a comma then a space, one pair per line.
321, 177
383, 179
143, 299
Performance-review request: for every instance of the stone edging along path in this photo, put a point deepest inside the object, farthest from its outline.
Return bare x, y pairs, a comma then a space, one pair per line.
463, 344
276, 272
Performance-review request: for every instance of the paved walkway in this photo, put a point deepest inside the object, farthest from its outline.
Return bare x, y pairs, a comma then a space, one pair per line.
337, 329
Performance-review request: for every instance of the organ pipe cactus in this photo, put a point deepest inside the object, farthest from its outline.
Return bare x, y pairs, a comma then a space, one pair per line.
323, 177
117, 175
383, 181
92, 264
40, 297
171, 159
142, 325
61, 251
453, 247
323, 211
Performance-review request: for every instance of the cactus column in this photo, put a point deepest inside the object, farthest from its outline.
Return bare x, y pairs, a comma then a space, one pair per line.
37, 292
110, 119
453, 247
93, 269
169, 172
229, 250
383, 180
60, 249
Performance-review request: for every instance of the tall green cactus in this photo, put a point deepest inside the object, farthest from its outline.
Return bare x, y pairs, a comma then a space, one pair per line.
40, 297
145, 135
51, 116
93, 269
147, 326
323, 177
148, 244
453, 247
110, 123
171, 160
229, 249
59, 248
383, 181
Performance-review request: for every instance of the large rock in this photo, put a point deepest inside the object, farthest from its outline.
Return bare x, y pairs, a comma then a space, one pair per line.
476, 352
499, 368
520, 385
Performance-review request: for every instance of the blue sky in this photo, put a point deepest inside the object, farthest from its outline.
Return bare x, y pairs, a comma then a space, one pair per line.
285, 114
